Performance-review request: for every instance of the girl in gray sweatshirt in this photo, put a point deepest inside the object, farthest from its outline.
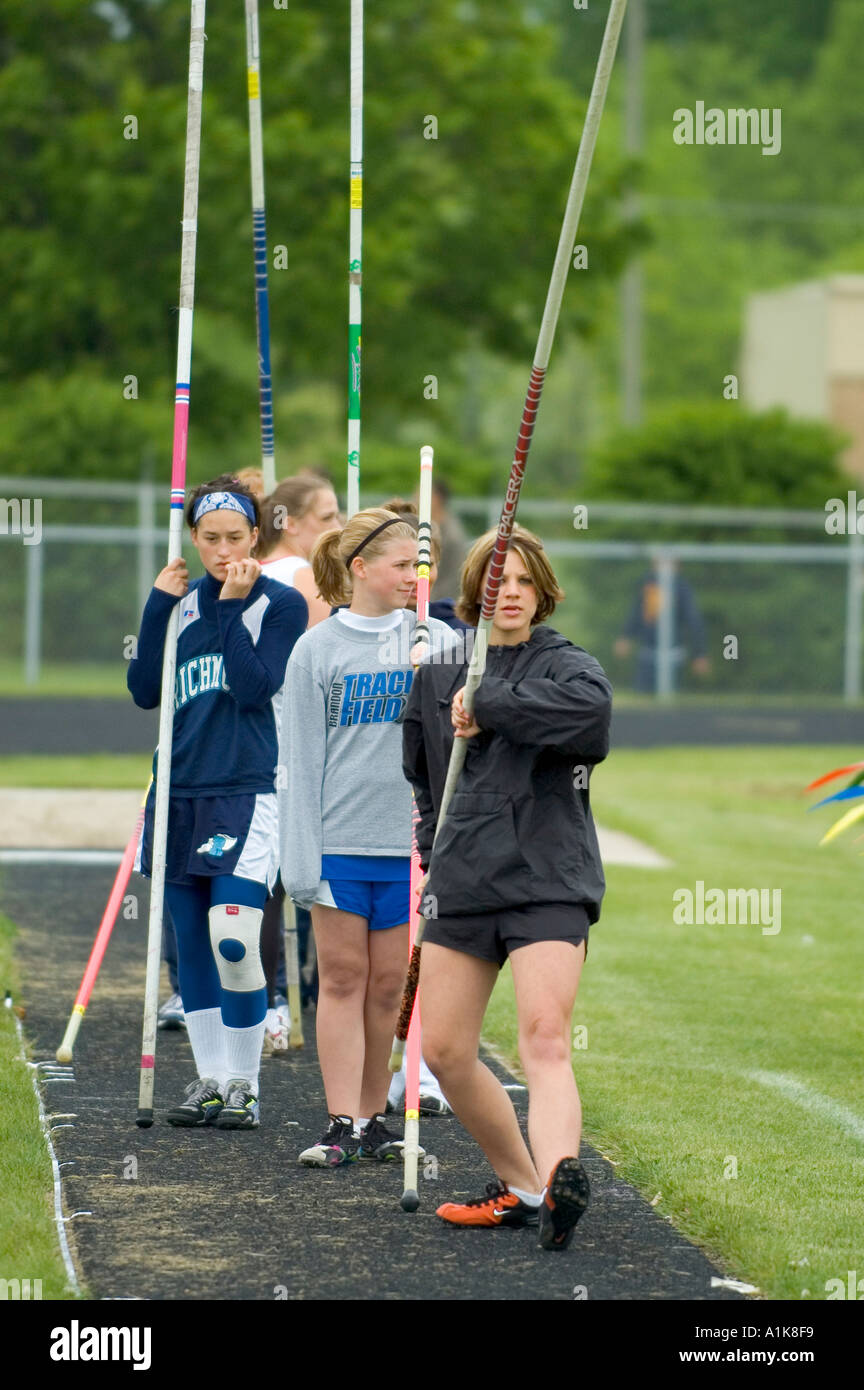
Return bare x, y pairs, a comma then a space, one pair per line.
345, 815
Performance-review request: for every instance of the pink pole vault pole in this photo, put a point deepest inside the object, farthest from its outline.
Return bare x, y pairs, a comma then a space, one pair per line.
410, 1200
103, 936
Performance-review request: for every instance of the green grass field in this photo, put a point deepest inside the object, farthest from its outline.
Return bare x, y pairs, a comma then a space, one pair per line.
100, 771
723, 1066
104, 680
29, 1247
680, 1019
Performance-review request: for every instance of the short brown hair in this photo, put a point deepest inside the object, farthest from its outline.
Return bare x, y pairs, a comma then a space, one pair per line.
530, 550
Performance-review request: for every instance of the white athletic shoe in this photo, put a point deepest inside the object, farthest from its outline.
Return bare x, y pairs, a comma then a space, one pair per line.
171, 1013
277, 1029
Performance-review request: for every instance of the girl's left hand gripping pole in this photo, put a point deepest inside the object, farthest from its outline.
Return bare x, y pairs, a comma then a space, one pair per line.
175, 537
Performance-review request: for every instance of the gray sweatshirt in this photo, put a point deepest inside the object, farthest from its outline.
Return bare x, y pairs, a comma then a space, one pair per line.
339, 779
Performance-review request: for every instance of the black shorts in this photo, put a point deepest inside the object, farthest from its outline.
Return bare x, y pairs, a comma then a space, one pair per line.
493, 935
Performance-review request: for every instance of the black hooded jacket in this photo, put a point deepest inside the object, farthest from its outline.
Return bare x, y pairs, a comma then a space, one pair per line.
518, 830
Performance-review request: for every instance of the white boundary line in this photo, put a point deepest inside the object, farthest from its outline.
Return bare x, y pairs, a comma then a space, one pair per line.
72, 1282
800, 1094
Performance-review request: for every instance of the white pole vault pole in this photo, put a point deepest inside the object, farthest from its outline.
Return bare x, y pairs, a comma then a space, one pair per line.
175, 540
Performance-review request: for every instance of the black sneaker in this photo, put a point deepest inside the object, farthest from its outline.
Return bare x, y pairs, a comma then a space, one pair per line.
430, 1103
240, 1110
337, 1146
378, 1142
566, 1198
202, 1106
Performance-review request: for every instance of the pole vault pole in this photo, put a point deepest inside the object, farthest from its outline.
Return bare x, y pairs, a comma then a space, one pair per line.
558, 279
410, 1200
265, 396
259, 241
355, 256
175, 538
103, 936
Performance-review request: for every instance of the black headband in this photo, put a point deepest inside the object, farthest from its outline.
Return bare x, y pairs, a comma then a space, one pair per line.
391, 521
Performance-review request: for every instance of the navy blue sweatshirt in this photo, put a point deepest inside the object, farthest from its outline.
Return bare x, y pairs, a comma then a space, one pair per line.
231, 658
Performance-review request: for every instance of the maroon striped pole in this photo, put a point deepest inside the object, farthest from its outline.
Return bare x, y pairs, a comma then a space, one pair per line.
545, 339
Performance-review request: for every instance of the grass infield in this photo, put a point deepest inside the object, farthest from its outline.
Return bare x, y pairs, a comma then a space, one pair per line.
90, 772
29, 1247
715, 1050
66, 679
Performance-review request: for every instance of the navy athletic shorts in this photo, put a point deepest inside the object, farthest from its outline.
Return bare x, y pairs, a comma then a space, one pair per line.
215, 835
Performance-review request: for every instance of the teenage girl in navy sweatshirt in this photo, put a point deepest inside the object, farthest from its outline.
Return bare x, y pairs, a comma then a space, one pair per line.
236, 632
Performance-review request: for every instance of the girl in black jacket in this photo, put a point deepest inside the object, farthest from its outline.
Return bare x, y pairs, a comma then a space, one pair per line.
514, 873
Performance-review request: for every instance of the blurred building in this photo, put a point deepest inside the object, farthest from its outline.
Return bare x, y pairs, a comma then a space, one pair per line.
804, 349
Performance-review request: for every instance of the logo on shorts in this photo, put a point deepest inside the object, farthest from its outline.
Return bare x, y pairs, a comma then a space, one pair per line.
217, 845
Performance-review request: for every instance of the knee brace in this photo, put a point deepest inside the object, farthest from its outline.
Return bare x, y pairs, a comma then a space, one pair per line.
235, 932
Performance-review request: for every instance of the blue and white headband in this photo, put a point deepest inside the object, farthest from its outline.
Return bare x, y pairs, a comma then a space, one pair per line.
223, 501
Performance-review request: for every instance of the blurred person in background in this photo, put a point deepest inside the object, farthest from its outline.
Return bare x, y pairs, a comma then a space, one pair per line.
643, 629
453, 536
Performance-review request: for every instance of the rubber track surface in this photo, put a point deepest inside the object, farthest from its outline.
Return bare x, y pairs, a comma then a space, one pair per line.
226, 1215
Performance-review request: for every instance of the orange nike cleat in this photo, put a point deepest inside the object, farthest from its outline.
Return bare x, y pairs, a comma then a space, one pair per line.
500, 1207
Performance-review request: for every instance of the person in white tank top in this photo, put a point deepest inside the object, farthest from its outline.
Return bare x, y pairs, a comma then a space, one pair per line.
297, 512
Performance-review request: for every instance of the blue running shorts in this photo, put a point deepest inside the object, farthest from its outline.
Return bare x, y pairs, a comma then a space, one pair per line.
376, 887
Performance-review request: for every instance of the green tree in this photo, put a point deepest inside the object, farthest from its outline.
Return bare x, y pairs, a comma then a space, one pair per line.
720, 455
459, 231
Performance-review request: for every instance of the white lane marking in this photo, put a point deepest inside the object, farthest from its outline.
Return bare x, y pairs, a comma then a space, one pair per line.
616, 847
60, 1220
800, 1094
734, 1284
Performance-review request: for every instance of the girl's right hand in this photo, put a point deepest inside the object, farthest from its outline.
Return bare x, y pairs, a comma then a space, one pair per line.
174, 579
464, 724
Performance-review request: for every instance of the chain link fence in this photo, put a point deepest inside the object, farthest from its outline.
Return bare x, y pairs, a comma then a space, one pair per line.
670, 600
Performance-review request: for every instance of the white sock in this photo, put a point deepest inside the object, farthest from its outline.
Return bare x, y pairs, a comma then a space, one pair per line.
531, 1199
207, 1040
243, 1053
